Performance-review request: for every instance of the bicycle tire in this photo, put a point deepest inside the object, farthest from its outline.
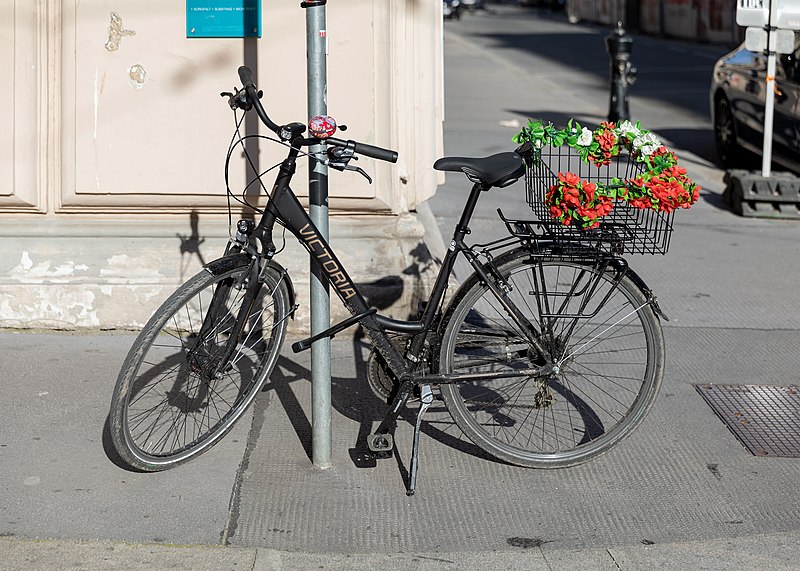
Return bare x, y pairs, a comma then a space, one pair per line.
611, 365
166, 409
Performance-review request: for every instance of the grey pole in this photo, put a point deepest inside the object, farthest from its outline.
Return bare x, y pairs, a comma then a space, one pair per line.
316, 42
769, 103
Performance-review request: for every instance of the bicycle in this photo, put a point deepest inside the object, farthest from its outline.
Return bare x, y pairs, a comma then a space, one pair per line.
548, 355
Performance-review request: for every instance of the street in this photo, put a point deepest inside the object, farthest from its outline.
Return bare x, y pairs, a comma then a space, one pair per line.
511, 64
680, 491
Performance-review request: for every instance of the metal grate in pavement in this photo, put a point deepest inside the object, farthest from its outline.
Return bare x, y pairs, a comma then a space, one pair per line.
765, 419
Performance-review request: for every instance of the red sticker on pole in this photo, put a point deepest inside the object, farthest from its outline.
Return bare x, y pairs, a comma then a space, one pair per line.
322, 126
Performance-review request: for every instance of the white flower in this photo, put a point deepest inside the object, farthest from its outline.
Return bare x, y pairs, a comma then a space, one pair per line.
646, 144
585, 138
649, 149
627, 127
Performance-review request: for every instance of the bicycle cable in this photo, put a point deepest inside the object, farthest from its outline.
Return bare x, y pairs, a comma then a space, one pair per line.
236, 140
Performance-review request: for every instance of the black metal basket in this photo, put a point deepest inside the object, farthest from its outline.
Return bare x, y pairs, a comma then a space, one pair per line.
626, 228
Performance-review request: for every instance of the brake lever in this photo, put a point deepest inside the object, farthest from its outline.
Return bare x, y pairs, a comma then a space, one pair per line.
340, 157
359, 170
239, 99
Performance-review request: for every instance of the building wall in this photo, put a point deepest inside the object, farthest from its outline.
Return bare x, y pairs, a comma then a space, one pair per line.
113, 139
703, 20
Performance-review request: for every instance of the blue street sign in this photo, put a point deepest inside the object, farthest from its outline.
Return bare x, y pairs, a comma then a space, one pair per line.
223, 18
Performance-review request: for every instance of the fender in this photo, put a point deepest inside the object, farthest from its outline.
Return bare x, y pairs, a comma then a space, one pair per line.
231, 262
622, 266
618, 264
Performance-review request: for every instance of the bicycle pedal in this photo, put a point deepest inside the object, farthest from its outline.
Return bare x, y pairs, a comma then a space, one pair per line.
380, 443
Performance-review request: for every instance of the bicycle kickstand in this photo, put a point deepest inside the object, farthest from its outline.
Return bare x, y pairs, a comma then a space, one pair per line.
426, 398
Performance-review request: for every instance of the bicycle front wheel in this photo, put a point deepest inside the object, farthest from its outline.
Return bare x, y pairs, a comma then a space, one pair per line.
595, 325
185, 382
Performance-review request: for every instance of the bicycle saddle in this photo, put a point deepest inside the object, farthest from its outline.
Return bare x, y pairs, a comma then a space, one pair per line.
497, 170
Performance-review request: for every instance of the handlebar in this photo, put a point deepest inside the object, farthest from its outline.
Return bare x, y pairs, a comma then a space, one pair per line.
250, 87
246, 76
365, 149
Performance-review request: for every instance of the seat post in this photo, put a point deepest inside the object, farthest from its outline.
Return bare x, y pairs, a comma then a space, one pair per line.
462, 228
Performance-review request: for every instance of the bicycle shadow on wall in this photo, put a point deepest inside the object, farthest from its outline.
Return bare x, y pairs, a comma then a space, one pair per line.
191, 244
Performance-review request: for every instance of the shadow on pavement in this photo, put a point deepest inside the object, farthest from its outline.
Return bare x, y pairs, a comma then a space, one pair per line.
352, 397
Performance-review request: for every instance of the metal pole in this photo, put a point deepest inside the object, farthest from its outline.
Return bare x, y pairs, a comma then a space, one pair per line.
316, 42
769, 103
622, 74
769, 112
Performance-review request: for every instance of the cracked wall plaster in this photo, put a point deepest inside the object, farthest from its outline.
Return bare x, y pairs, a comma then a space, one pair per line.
116, 32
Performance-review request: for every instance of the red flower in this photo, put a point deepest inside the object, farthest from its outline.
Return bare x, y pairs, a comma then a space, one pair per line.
573, 200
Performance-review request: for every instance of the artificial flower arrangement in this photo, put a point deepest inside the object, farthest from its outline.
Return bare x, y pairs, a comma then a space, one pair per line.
662, 185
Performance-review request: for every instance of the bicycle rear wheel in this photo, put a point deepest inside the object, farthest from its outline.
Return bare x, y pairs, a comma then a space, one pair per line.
597, 327
184, 382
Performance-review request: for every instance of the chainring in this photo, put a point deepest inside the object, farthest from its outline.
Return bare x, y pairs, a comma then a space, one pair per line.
381, 380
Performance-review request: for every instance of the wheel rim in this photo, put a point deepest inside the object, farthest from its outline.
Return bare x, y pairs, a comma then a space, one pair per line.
174, 408
604, 382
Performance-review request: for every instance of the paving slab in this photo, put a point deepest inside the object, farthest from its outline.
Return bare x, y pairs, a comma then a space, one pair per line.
58, 476
681, 476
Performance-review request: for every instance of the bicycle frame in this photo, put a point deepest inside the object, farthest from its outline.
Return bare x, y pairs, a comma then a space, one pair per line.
283, 205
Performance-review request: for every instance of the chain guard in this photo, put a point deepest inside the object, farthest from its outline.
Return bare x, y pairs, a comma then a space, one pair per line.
380, 379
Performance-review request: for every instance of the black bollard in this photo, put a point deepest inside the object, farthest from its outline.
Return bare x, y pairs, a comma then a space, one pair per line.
619, 45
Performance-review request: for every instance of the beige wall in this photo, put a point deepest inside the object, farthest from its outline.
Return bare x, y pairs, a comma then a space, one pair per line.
114, 118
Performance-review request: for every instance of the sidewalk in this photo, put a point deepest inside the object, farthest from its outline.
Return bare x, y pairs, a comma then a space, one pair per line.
652, 502
773, 552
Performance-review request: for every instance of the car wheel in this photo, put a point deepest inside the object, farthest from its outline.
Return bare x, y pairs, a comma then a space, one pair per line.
725, 133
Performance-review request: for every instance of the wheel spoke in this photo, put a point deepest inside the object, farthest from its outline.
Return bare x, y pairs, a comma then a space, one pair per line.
606, 350
176, 397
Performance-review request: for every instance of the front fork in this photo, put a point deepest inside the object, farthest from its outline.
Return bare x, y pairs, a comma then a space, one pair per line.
213, 367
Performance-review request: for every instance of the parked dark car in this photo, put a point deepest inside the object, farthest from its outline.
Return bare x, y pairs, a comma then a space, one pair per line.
737, 100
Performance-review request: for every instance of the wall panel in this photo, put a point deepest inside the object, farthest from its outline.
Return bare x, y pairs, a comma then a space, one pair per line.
20, 137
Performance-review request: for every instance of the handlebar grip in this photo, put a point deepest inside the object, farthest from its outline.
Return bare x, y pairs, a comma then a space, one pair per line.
246, 75
376, 152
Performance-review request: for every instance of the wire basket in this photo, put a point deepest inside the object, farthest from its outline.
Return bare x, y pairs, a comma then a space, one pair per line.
626, 228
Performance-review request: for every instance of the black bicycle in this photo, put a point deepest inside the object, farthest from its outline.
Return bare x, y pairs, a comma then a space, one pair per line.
548, 355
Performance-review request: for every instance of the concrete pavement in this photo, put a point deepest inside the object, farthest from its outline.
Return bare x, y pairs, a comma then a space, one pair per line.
776, 552
653, 502
680, 493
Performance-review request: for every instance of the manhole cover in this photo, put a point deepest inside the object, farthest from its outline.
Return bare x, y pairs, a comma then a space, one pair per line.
765, 419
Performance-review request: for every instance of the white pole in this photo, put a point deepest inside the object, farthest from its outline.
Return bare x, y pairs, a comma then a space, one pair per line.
769, 104
769, 110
